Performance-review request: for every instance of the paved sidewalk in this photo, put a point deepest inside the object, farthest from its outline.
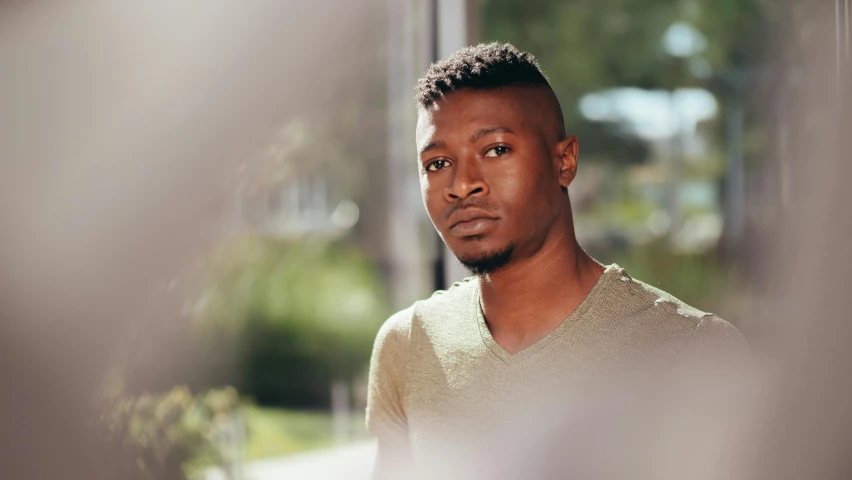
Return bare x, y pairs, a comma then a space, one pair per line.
350, 462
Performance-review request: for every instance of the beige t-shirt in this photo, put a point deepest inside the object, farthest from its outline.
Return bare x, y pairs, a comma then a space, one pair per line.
440, 385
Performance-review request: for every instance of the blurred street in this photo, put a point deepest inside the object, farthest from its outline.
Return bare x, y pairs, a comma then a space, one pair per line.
353, 461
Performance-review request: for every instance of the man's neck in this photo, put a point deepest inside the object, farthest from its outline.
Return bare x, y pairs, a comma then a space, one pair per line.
527, 299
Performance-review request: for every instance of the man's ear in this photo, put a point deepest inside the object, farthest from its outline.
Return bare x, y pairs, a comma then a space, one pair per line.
566, 153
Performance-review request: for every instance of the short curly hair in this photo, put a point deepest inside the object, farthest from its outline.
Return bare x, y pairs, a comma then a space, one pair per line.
483, 66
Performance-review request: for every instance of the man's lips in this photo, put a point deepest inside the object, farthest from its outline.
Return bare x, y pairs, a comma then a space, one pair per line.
471, 221
476, 226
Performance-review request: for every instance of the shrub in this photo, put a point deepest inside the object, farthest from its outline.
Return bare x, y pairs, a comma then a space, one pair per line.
163, 434
297, 315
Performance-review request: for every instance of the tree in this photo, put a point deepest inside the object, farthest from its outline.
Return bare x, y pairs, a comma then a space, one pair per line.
297, 315
590, 45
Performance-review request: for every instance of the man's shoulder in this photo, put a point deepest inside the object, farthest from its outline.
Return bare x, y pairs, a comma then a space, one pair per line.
661, 313
637, 297
397, 325
440, 309
455, 300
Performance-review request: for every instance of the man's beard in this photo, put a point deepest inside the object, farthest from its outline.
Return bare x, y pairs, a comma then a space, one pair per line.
488, 262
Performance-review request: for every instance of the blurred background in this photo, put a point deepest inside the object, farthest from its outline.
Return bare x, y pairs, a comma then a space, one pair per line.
209, 208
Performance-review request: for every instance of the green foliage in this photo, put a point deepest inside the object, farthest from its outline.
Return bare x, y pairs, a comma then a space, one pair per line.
163, 434
589, 45
174, 435
302, 312
276, 431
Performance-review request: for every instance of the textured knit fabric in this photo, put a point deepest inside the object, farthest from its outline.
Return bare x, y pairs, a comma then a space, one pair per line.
439, 382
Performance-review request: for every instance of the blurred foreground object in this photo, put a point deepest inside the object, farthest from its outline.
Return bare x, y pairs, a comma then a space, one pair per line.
163, 434
807, 259
122, 132
119, 124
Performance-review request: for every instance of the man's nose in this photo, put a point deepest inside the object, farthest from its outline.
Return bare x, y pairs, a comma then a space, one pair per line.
468, 181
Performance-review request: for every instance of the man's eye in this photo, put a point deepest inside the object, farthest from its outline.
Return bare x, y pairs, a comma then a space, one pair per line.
436, 165
498, 151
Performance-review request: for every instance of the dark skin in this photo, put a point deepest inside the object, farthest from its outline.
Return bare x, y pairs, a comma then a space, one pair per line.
494, 169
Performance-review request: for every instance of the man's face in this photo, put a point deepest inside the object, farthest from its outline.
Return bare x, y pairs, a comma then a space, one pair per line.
492, 172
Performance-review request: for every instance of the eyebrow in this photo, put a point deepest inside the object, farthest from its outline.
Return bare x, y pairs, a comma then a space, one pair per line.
433, 146
488, 131
474, 137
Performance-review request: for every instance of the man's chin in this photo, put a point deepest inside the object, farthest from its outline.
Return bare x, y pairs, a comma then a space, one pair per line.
487, 261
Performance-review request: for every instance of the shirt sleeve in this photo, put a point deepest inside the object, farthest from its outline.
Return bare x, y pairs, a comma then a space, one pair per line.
386, 419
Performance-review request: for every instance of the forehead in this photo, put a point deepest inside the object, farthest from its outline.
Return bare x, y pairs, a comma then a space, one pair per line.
463, 111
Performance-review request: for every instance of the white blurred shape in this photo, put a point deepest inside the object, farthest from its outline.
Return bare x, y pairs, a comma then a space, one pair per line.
659, 222
345, 215
683, 40
651, 114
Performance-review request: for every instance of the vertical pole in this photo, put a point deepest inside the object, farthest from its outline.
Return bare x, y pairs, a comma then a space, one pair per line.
452, 34
233, 447
452, 26
404, 210
734, 180
428, 32
341, 410
429, 48
673, 160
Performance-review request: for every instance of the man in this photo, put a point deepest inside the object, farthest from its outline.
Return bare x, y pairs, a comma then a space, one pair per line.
495, 166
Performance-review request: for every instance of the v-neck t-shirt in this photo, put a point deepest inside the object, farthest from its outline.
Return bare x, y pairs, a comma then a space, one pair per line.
439, 382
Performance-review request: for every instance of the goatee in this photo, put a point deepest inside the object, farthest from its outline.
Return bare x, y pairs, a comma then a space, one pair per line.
488, 262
